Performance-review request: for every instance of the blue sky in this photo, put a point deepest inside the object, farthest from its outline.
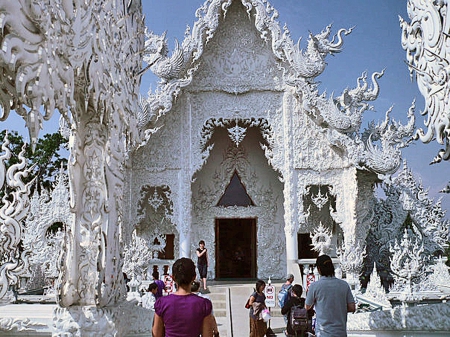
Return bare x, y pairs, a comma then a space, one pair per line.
372, 46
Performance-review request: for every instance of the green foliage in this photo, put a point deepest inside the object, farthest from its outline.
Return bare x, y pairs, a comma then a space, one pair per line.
47, 157
447, 254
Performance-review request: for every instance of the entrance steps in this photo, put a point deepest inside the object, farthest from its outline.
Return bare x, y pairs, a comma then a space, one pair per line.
232, 318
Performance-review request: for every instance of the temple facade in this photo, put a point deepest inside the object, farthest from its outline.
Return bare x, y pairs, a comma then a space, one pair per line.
248, 155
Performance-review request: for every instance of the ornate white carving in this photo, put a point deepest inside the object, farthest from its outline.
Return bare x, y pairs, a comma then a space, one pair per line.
45, 247
407, 265
321, 240
375, 291
210, 185
14, 262
65, 55
19, 325
136, 258
319, 200
351, 257
311, 63
155, 219
237, 133
407, 205
125, 319
155, 200
426, 41
435, 317
53, 51
440, 274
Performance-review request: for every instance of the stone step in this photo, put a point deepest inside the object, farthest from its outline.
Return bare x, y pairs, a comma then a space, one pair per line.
217, 296
220, 312
219, 304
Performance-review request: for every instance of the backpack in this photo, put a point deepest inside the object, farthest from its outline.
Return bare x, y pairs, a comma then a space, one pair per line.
299, 319
283, 295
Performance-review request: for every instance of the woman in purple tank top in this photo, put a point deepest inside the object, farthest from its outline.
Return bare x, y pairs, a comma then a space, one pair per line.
183, 314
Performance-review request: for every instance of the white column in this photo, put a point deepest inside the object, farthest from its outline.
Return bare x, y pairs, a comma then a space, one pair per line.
185, 190
290, 186
185, 244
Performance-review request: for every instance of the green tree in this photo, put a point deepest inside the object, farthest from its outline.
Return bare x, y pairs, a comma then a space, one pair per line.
48, 157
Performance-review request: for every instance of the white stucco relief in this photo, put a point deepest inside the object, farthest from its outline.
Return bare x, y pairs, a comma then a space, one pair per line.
266, 197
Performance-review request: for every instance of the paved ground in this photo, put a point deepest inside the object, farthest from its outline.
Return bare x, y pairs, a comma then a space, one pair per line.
232, 322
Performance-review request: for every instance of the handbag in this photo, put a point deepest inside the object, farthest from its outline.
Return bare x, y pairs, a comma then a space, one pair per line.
265, 315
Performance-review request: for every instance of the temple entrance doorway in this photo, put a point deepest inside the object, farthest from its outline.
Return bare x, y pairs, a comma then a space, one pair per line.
235, 248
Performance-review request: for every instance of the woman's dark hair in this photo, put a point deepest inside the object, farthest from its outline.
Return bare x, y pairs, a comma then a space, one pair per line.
297, 290
195, 286
201, 242
152, 286
183, 271
259, 284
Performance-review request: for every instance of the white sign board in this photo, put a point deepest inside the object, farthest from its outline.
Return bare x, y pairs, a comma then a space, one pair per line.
168, 284
269, 291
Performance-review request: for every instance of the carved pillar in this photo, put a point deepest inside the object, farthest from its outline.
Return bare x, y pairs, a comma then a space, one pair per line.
85, 60
91, 285
91, 272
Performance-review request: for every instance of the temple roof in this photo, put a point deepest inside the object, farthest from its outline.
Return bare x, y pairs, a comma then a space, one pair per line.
375, 149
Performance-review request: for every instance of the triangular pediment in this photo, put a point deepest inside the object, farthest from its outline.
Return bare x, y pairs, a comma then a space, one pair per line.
235, 194
237, 59
238, 15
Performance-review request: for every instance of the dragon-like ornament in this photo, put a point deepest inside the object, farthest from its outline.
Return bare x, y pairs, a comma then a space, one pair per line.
311, 62
427, 43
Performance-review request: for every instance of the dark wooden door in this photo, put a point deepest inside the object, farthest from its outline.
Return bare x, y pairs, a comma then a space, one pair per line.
236, 248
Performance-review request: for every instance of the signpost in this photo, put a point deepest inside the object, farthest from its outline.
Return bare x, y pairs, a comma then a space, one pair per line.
168, 284
269, 291
270, 295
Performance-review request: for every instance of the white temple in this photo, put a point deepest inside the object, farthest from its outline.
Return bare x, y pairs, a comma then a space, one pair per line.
236, 147
249, 156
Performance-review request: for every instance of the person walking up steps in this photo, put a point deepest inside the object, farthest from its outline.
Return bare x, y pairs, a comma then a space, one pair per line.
332, 298
285, 294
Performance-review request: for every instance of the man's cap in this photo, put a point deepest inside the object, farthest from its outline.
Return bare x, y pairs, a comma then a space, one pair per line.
323, 260
289, 276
